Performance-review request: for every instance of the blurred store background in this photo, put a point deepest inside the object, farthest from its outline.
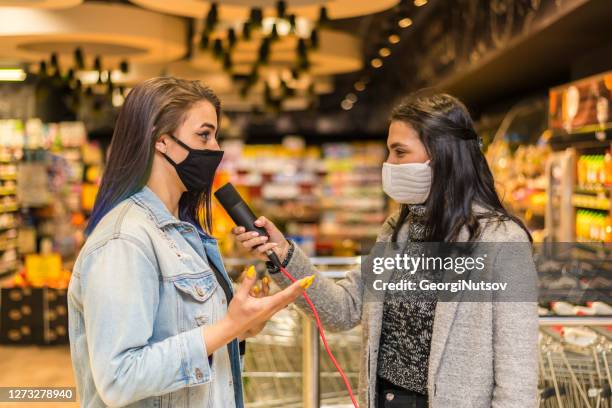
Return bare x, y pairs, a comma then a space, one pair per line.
307, 87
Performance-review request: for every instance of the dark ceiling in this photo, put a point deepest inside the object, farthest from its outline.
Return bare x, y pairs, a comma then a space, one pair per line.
452, 46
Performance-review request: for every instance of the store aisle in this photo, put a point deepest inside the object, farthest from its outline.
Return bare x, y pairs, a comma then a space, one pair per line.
35, 366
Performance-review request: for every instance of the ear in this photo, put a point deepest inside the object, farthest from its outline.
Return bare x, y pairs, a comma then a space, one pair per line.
161, 145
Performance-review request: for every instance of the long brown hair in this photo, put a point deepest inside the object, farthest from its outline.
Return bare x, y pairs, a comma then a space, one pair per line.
153, 108
461, 175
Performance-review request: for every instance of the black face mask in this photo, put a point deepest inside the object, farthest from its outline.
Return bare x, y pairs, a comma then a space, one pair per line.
198, 169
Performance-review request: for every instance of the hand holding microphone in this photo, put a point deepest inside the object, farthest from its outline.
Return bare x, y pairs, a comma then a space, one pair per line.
259, 244
256, 229
248, 305
264, 240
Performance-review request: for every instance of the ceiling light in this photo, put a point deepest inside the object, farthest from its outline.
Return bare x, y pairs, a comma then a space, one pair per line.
12, 74
303, 26
91, 77
384, 52
404, 22
376, 63
351, 97
394, 38
420, 3
346, 104
359, 86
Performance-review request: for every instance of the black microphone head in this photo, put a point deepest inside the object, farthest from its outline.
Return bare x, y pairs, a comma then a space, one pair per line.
241, 214
228, 196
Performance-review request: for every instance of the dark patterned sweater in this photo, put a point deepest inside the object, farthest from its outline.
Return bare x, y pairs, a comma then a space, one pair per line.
407, 325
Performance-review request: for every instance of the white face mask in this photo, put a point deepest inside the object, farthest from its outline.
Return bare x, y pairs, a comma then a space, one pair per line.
407, 183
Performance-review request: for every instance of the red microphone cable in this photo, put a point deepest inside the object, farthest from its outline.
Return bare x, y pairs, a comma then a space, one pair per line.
322, 334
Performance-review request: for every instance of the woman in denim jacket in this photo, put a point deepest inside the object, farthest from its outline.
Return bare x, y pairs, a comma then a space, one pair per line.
153, 320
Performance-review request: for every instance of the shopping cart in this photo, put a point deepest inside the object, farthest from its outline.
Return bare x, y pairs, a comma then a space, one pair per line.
575, 372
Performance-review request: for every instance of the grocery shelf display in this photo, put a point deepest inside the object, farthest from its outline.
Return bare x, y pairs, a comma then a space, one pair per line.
49, 174
557, 178
10, 153
328, 199
517, 155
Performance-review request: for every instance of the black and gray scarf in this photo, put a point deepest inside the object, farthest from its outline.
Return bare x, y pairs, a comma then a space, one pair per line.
407, 322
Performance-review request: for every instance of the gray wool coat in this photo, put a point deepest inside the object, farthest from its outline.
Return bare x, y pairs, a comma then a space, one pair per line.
482, 354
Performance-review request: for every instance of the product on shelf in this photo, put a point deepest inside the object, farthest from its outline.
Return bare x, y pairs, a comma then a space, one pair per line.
520, 177
581, 105
11, 151
594, 171
592, 198
593, 226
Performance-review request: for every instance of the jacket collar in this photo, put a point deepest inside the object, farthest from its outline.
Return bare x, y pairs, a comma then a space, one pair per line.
147, 199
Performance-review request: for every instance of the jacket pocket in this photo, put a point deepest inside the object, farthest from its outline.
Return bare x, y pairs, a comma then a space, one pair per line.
200, 288
196, 304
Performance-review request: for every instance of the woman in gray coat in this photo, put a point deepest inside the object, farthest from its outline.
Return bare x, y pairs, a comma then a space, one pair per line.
429, 352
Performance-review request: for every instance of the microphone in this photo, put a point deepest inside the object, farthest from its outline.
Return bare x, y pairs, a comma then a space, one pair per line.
242, 215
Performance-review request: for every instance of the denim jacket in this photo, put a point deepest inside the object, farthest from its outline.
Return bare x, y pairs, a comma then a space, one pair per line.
140, 291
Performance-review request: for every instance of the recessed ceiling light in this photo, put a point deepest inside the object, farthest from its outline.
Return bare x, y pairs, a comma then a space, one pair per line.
359, 86
346, 104
394, 38
404, 22
420, 3
384, 52
351, 97
376, 63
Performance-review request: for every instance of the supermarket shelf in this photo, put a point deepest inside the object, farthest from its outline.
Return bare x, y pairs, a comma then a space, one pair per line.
575, 295
575, 321
585, 138
607, 127
603, 190
590, 202
595, 247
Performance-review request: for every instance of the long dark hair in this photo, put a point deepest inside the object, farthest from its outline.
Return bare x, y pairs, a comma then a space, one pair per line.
461, 175
153, 108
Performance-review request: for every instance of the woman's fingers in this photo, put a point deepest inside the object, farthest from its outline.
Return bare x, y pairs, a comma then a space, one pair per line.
238, 230
261, 289
270, 228
265, 285
250, 277
262, 249
289, 294
256, 291
245, 236
252, 241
